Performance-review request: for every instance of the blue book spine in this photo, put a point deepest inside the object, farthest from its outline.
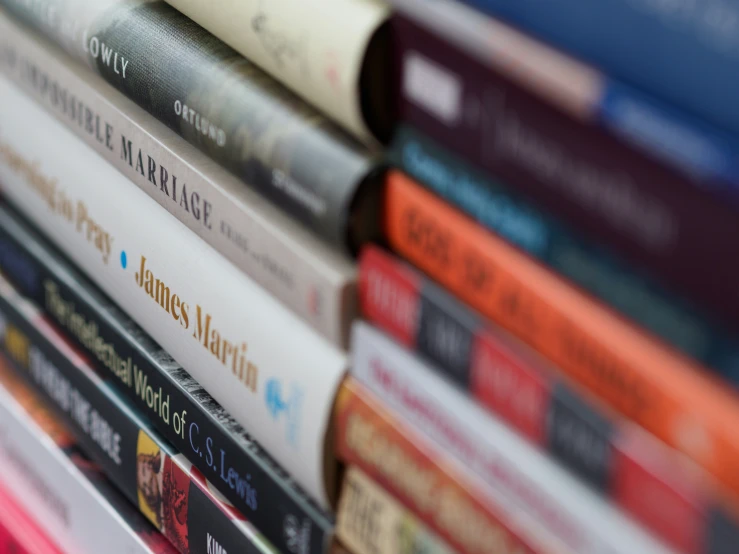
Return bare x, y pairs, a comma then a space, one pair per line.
629, 291
685, 51
708, 154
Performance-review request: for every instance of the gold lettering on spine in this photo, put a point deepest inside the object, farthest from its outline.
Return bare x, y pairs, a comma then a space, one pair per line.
232, 355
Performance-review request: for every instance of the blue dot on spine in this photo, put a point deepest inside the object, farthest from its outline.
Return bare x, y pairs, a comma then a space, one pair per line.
124, 261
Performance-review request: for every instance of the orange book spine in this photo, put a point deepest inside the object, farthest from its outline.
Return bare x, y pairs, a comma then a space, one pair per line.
368, 436
647, 382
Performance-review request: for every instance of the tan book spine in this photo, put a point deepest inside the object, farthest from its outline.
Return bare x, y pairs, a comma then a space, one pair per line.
371, 521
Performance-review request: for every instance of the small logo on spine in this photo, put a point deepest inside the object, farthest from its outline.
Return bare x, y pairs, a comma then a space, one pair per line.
297, 536
279, 404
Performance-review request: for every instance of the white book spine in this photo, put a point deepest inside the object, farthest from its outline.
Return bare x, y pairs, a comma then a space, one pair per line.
294, 266
515, 472
52, 488
314, 47
274, 374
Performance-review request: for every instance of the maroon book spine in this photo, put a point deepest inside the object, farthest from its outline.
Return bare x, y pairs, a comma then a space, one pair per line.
655, 217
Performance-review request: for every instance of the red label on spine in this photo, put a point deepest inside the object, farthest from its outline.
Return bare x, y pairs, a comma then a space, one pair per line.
517, 393
659, 492
388, 296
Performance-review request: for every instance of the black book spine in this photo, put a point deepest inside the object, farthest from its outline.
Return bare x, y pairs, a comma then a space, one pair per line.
144, 467
224, 105
159, 388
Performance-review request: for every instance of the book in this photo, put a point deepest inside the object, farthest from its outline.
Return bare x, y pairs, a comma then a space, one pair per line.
300, 270
369, 520
650, 215
704, 152
51, 478
140, 370
333, 53
684, 52
633, 373
586, 263
525, 479
422, 477
20, 533
263, 365
154, 476
224, 105
612, 455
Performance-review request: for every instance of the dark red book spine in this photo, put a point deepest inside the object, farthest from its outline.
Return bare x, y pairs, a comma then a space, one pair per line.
654, 216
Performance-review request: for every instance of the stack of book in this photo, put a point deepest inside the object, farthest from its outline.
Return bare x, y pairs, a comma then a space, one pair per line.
330, 276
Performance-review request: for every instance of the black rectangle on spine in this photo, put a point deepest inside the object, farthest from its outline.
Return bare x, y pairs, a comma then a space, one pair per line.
446, 334
722, 534
212, 441
580, 437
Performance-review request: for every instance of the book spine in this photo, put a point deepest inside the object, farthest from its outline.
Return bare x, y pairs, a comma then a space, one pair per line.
510, 467
586, 264
703, 151
614, 457
296, 268
625, 368
47, 474
218, 101
141, 370
369, 521
201, 309
173, 495
300, 45
644, 211
411, 469
20, 533
663, 40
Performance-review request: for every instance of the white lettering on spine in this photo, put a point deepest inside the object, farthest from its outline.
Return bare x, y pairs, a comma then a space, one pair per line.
201, 123
214, 547
99, 50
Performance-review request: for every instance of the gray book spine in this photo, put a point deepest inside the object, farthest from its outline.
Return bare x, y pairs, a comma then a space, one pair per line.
297, 268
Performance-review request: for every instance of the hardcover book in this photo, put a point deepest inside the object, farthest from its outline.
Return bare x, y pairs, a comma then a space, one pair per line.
297, 268
333, 53
221, 103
